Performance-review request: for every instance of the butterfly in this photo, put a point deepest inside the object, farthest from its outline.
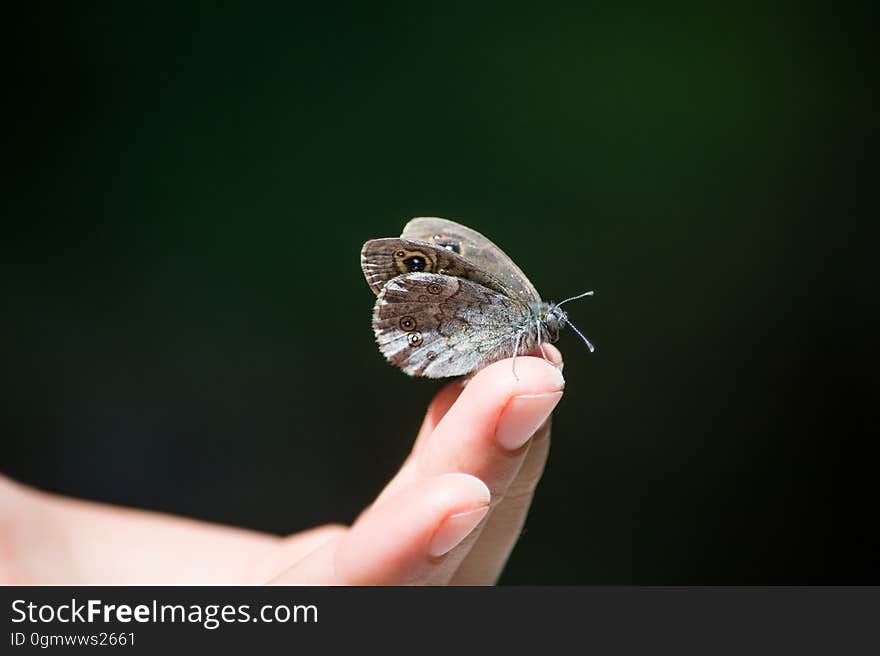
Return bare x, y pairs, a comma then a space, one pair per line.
449, 301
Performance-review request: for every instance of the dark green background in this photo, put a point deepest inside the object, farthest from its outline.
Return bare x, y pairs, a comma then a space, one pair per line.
187, 327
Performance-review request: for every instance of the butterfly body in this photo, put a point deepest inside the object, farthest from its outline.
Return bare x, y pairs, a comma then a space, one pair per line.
450, 302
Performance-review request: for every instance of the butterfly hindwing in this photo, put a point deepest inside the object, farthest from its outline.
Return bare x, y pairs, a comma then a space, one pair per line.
437, 326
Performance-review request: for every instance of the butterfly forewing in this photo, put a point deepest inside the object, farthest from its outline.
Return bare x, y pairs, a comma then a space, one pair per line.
437, 326
476, 249
384, 259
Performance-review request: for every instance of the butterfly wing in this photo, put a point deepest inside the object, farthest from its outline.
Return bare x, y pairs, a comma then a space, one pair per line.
476, 249
438, 326
384, 259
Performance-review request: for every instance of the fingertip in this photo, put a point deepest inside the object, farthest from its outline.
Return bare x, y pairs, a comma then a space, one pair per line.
499, 406
396, 540
527, 375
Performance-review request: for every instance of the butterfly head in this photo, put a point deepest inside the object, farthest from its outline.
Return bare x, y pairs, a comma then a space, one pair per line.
554, 318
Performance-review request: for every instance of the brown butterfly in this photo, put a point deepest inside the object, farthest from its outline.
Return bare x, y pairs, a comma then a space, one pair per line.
451, 302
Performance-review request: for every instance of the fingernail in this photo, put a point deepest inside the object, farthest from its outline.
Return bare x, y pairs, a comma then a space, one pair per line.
454, 529
523, 415
557, 369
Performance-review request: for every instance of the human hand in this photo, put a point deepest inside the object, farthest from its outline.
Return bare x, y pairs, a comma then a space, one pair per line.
451, 515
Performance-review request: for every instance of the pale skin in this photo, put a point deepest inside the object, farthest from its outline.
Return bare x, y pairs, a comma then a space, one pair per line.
450, 516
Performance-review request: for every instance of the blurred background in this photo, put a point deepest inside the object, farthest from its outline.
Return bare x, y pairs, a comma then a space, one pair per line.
186, 327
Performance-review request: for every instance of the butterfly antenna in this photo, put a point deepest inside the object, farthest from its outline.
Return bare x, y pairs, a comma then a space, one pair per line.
579, 333
574, 298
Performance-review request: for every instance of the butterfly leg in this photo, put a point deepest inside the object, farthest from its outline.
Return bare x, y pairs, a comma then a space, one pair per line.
516, 341
541, 346
541, 343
